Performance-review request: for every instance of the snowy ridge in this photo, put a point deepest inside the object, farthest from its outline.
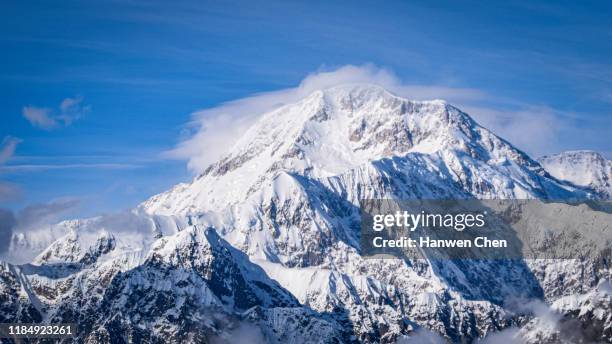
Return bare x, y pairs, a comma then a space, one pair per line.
584, 168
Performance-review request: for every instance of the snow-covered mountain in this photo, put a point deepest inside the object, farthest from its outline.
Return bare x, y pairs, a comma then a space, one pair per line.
265, 241
585, 168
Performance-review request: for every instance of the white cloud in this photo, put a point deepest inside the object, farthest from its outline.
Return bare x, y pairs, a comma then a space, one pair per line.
30, 217
36, 214
7, 223
243, 333
422, 336
9, 144
69, 110
46, 167
39, 117
535, 129
72, 109
509, 336
9, 192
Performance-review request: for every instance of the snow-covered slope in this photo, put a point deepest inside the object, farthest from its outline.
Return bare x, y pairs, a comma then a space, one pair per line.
267, 237
585, 168
188, 287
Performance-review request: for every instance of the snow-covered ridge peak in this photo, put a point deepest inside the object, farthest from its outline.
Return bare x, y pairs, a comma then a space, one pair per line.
362, 93
337, 129
78, 247
577, 157
341, 129
581, 167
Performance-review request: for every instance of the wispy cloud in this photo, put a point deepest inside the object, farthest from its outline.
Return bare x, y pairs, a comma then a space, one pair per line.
39, 117
31, 216
38, 213
9, 192
43, 167
69, 110
536, 129
7, 150
7, 223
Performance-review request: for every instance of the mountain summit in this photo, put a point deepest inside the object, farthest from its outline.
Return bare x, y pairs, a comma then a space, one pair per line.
345, 128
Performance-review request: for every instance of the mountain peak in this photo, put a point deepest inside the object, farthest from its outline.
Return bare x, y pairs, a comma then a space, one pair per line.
581, 167
357, 91
356, 95
340, 129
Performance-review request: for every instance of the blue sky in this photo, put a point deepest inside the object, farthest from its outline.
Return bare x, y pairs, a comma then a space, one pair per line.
131, 74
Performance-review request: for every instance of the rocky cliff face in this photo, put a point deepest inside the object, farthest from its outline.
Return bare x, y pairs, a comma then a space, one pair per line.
265, 241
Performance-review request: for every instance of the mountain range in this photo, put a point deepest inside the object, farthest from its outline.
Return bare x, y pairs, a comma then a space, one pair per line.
263, 245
